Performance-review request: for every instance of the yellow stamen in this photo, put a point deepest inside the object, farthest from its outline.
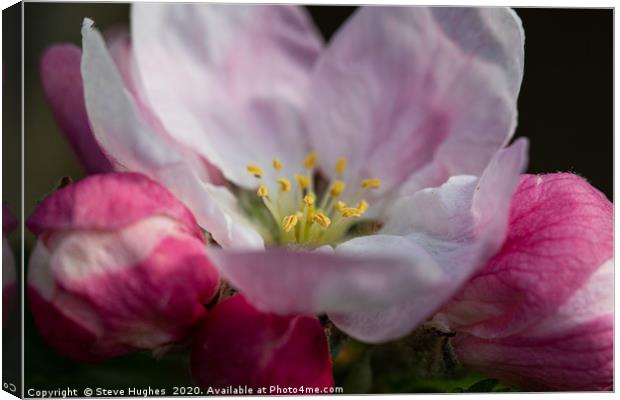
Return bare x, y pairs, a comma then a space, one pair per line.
341, 166
337, 188
310, 160
321, 219
309, 199
255, 170
373, 183
289, 222
285, 185
349, 212
310, 216
362, 206
262, 191
303, 181
303, 218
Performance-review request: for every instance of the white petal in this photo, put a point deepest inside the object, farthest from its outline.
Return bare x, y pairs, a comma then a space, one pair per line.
132, 144
493, 33
228, 80
417, 94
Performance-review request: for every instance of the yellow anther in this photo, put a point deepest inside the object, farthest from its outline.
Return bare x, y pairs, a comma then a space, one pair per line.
373, 183
262, 191
309, 199
337, 188
310, 160
362, 206
321, 219
289, 222
303, 181
285, 185
341, 166
301, 217
255, 170
350, 212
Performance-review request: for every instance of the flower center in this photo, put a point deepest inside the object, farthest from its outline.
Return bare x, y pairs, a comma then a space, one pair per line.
306, 215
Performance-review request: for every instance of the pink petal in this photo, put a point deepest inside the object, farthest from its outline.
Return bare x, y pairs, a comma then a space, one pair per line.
570, 350
62, 84
560, 233
135, 144
239, 345
580, 358
459, 225
228, 80
89, 205
97, 294
417, 94
311, 282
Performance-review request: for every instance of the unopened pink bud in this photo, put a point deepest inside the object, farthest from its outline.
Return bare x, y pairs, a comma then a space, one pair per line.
540, 313
120, 265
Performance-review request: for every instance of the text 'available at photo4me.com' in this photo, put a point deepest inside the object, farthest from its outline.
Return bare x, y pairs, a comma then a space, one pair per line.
240, 390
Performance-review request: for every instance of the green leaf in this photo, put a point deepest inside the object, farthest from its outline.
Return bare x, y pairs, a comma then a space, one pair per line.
485, 385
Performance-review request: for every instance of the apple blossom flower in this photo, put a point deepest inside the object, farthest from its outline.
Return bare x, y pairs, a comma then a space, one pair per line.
9, 278
368, 178
540, 313
288, 351
119, 265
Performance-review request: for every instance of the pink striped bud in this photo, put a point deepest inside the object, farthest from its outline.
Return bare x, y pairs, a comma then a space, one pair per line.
540, 313
120, 265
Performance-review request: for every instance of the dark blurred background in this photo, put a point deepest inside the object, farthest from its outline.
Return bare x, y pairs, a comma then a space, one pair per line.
565, 109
